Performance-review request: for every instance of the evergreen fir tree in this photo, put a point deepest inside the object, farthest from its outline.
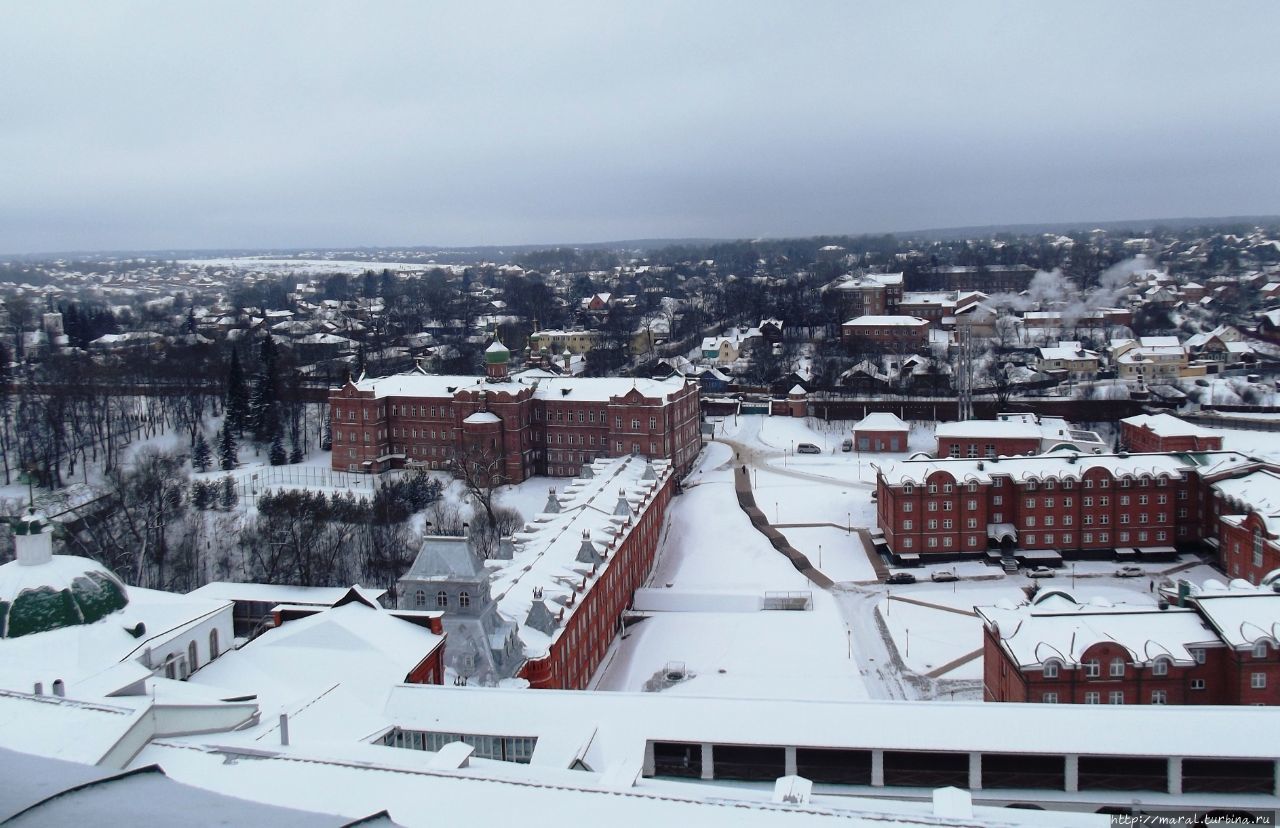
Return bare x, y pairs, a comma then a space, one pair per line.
264, 417
237, 403
201, 456
295, 451
191, 319
227, 497
227, 452
277, 455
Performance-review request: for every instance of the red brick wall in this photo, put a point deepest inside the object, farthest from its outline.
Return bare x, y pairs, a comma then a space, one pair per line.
1053, 514
1222, 680
880, 440
430, 670
1236, 549
1142, 438
537, 436
962, 446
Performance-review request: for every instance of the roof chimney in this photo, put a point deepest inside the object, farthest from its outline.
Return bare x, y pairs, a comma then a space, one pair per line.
553, 505
623, 508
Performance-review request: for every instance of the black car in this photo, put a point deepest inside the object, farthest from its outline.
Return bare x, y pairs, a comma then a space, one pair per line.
901, 578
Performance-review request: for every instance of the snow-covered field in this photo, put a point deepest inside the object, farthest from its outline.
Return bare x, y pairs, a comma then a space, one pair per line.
264, 264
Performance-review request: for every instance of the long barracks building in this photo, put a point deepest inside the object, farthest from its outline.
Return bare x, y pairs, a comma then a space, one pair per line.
1083, 505
531, 423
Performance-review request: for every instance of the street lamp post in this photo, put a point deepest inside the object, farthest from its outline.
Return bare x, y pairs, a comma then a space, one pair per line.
848, 522
819, 556
908, 642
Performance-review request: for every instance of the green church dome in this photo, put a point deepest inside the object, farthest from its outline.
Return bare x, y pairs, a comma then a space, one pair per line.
64, 591
497, 353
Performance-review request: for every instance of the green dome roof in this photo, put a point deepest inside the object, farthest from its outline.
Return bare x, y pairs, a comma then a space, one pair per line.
64, 592
497, 353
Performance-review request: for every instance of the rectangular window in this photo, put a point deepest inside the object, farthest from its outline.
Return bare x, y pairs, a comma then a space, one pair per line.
998, 500
1031, 521
906, 526
1092, 668
1048, 503
1051, 669
1115, 697
1088, 501
946, 524
906, 507
1197, 653
1258, 681
973, 523
1031, 540
1031, 503
1197, 684
1117, 668
1049, 698
1088, 537
1159, 697
1092, 697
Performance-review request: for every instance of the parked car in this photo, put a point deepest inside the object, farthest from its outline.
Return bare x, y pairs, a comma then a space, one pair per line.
847, 445
807, 448
1040, 572
943, 576
901, 578
1129, 572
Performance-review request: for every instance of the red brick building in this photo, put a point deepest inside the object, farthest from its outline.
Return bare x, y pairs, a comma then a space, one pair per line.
1013, 434
901, 333
1082, 506
1220, 648
585, 560
1165, 432
880, 431
1248, 509
532, 423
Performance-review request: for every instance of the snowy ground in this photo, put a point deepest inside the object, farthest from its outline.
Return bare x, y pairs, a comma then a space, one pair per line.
928, 638
710, 545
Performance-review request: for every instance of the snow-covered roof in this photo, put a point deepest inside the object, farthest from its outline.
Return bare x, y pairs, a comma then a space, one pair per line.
615, 720
547, 561
445, 558
888, 321
1258, 491
594, 389
281, 593
987, 428
43, 791
1062, 629
881, 421
1062, 464
1167, 425
1241, 613
81, 654
483, 417
329, 670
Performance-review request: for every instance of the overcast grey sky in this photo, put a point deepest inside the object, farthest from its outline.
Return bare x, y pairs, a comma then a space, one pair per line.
248, 124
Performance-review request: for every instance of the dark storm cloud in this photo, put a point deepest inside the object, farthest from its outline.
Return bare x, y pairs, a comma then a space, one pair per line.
307, 124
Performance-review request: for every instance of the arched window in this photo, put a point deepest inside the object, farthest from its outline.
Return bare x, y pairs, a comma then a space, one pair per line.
1160, 667
464, 599
442, 599
193, 657
1051, 668
213, 644
419, 598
